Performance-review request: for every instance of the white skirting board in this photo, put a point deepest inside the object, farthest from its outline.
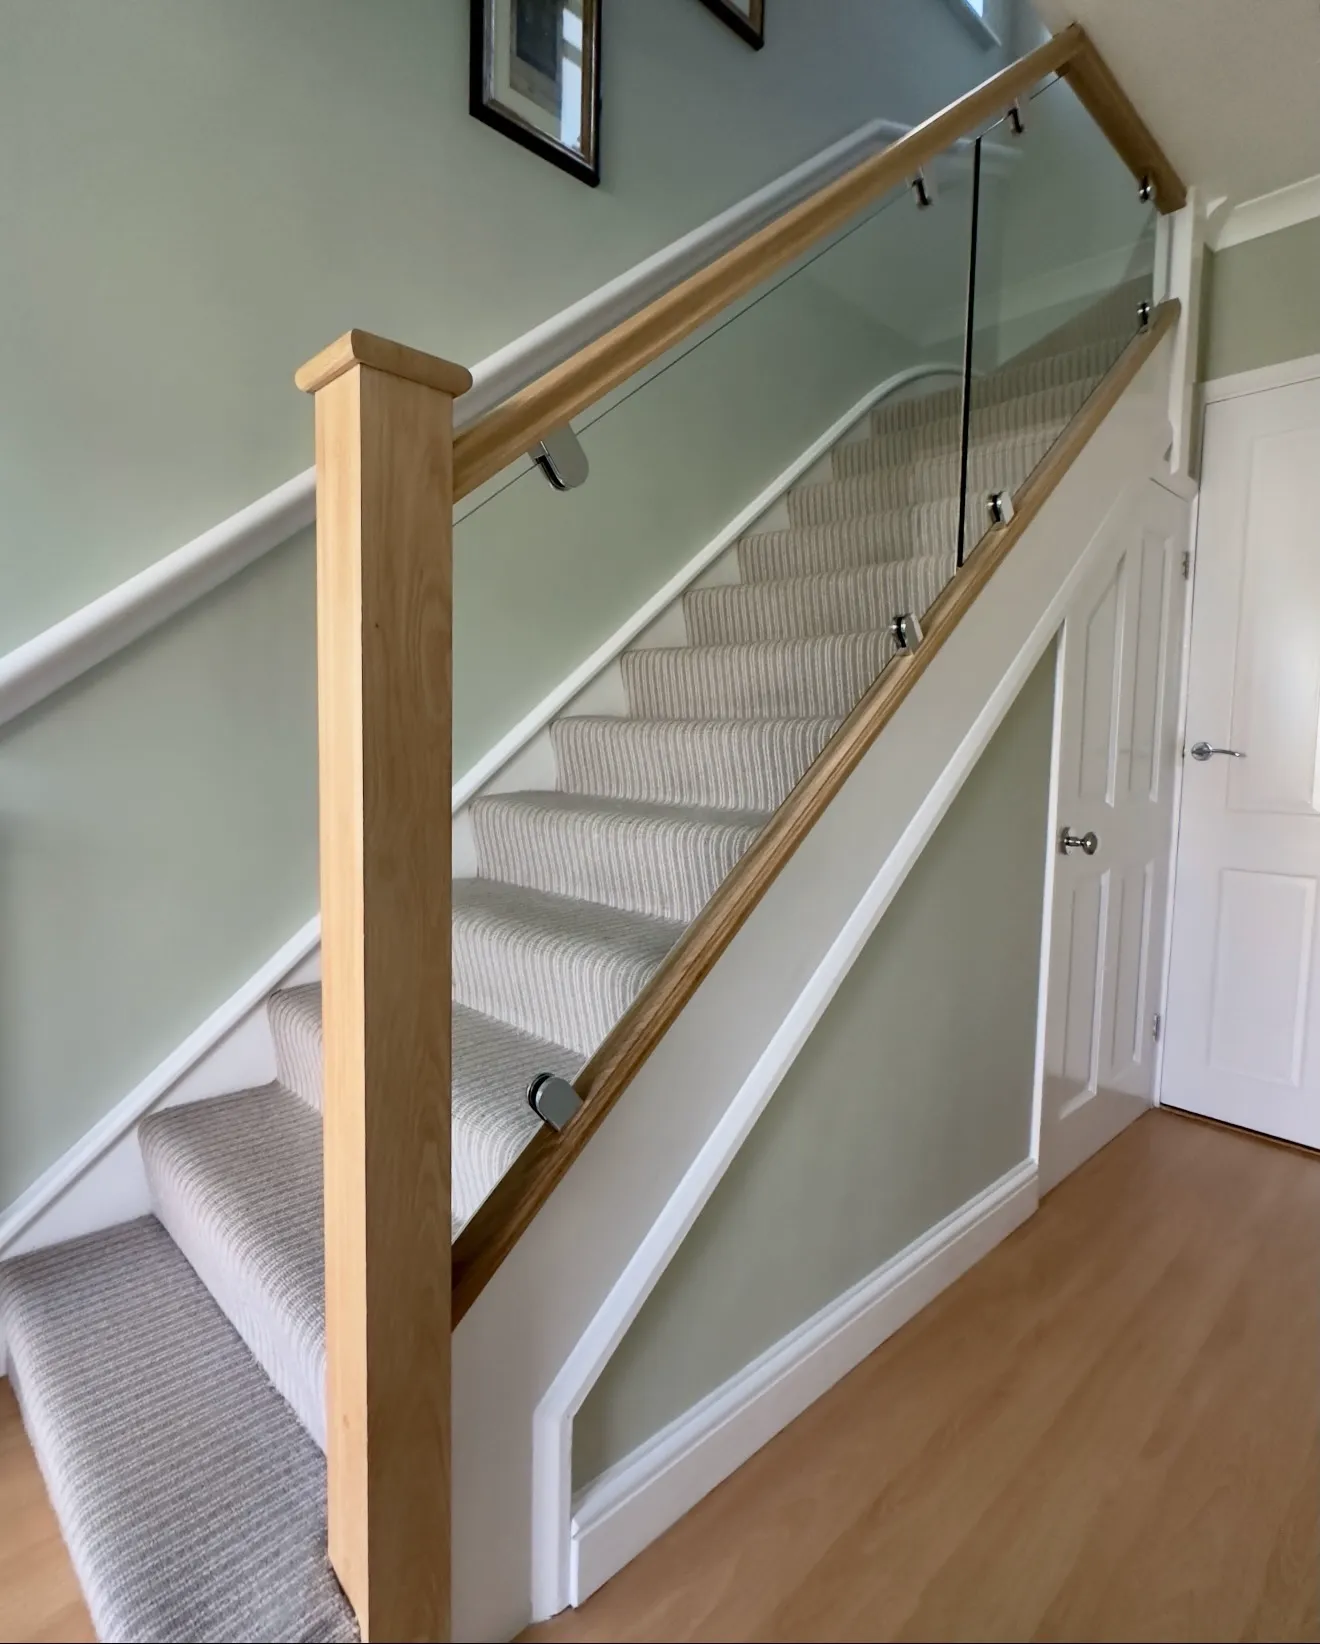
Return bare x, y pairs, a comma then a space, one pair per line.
625, 1509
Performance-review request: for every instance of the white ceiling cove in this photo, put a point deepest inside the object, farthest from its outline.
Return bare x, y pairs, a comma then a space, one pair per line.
1231, 88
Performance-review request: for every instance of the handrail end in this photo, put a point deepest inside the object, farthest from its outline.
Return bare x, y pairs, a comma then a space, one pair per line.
365, 348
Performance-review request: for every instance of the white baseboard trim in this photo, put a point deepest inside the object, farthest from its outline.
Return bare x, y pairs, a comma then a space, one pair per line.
532, 723
99, 1180
624, 1510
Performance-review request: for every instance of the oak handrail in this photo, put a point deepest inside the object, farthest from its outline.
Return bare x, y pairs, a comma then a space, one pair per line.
513, 428
1131, 138
498, 1224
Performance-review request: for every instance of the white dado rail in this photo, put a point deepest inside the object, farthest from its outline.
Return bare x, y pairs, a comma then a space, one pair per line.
71, 647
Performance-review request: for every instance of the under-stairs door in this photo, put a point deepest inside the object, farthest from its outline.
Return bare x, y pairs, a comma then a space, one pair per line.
1122, 645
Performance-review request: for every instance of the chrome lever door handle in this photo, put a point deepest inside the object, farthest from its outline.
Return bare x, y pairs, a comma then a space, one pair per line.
1070, 841
1202, 751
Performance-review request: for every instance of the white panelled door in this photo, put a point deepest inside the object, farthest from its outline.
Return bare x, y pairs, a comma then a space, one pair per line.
1122, 643
1244, 983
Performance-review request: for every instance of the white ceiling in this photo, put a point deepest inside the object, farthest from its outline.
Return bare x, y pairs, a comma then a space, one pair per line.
1231, 88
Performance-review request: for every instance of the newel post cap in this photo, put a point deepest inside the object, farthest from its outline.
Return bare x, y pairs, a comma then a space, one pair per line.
365, 348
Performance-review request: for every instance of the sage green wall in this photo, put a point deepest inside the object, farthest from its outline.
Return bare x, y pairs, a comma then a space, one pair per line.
913, 1094
195, 197
1264, 301
154, 829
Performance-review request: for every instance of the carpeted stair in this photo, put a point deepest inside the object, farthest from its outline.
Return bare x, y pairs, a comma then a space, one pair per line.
171, 1372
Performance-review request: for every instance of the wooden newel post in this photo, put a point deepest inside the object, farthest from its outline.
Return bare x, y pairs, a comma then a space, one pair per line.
384, 500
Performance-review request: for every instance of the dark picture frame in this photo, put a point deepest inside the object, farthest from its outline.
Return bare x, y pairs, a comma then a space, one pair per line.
749, 23
516, 61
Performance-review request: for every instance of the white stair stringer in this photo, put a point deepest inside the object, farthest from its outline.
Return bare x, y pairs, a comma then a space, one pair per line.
557, 1307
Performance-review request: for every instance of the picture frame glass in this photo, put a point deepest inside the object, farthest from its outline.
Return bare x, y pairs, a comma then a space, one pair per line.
539, 70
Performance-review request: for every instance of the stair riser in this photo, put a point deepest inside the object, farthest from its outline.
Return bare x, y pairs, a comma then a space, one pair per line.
1052, 407
570, 997
294, 1015
217, 1173
850, 544
1053, 371
778, 684
815, 605
480, 1160
729, 766
668, 870
296, 1376
1001, 466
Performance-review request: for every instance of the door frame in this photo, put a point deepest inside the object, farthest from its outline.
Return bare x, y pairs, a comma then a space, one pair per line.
1261, 380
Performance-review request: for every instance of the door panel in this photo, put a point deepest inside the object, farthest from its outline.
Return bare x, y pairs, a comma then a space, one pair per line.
1244, 995
1275, 709
1264, 935
1143, 766
1101, 685
1121, 648
1129, 1029
1086, 925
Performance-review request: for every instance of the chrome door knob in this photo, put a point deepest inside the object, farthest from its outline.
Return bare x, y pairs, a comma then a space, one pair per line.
1202, 751
1070, 841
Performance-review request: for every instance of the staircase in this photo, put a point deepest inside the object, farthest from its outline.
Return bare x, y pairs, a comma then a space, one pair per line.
178, 1378
172, 1372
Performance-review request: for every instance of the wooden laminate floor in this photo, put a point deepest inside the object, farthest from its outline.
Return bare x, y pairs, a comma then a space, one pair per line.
1110, 1429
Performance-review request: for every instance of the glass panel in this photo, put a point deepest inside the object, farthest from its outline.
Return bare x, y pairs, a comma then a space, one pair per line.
1065, 254
652, 784
685, 448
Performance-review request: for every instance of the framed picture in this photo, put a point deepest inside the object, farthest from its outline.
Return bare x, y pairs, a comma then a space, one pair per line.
745, 17
535, 76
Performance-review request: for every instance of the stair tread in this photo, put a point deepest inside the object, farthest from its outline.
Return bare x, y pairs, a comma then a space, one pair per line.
192, 1502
